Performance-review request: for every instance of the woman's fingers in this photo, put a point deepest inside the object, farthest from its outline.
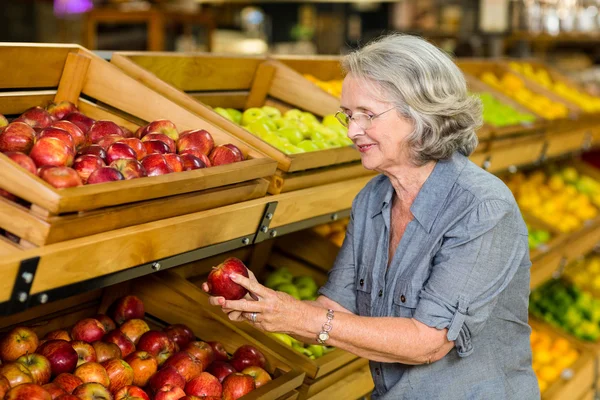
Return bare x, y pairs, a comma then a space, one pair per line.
251, 284
244, 305
216, 300
205, 287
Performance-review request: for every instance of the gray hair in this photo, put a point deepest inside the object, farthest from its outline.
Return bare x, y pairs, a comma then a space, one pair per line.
427, 88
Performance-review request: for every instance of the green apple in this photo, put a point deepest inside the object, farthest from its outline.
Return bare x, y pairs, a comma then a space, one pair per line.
345, 141
301, 349
288, 288
236, 115
278, 277
331, 120
339, 130
308, 118
316, 349
326, 132
251, 115
315, 135
321, 144
291, 134
289, 148
258, 127
305, 281
294, 113
271, 111
223, 112
269, 137
306, 293
335, 142
283, 123
308, 145
287, 339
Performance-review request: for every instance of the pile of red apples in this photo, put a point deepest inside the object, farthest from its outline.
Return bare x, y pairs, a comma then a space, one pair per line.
67, 148
118, 357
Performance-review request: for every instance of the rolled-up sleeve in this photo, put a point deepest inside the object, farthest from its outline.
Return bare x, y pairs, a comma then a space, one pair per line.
479, 256
340, 285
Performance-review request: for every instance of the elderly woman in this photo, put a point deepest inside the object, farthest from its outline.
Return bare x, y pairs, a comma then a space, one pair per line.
432, 281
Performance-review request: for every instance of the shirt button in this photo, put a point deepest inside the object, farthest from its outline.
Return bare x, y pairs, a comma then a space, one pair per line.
362, 282
403, 299
380, 292
377, 371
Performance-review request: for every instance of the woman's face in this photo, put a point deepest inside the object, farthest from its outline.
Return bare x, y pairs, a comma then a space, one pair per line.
383, 145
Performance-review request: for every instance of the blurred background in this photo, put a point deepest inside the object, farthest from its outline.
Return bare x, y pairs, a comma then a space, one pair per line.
565, 33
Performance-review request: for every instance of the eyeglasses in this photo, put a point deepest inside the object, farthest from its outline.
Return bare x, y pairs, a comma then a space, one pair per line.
364, 121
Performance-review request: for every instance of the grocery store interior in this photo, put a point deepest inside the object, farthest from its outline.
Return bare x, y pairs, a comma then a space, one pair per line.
217, 117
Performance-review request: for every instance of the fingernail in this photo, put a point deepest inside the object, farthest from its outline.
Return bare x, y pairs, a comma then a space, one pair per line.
221, 301
233, 277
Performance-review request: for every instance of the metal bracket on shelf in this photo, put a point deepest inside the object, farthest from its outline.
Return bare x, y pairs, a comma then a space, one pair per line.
263, 232
543, 156
561, 268
20, 297
587, 141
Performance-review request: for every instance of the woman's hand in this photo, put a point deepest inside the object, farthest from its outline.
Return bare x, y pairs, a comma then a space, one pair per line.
275, 311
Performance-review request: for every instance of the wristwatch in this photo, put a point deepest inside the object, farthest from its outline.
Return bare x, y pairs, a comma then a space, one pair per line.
326, 328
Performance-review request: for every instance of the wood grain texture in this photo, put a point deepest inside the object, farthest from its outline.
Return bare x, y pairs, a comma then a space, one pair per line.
323, 158
8, 247
562, 143
309, 247
17, 102
234, 99
311, 387
73, 76
325, 68
526, 153
18, 220
261, 85
354, 386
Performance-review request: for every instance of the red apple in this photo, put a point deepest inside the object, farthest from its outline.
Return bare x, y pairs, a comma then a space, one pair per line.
105, 320
131, 169
137, 146
180, 334
68, 382
67, 397
169, 392
163, 126
94, 149
156, 147
77, 134
61, 177
166, 376
127, 133
51, 152
156, 164
88, 329
134, 329
92, 391
174, 161
60, 353
220, 369
220, 354
220, 284
204, 385
61, 109
58, 334
200, 398
86, 164
4, 386
126, 308
248, 356
83, 122
22, 160
158, 344
106, 141
237, 385
236, 150
19, 341
16, 373
260, 376
198, 139
85, 352
201, 351
58, 133
17, 136
191, 162
163, 138
118, 151
119, 372
92, 372
36, 117
38, 365
185, 364
103, 128
117, 337
54, 390
131, 393
106, 351
222, 155
28, 391
105, 174
144, 365
197, 153
138, 132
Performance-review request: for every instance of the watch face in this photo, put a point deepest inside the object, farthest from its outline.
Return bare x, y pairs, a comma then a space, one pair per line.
323, 336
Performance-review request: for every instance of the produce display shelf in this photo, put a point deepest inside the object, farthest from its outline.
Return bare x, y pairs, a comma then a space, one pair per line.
77, 75
85, 262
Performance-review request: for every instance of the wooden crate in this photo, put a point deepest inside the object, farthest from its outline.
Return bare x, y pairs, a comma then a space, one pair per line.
163, 306
309, 247
199, 82
70, 72
583, 370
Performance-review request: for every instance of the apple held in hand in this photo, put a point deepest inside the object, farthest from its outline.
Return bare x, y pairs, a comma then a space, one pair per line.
17, 136
19, 341
16, 373
38, 365
85, 352
106, 351
22, 160
247, 356
92, 391
220, 283
131, 393
68, 382
52, 152
119, 372
92, 372
61, 177
237, 385
28, 391
89, 330
144, 365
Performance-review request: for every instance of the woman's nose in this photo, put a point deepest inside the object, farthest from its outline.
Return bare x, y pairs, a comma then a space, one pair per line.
354, 130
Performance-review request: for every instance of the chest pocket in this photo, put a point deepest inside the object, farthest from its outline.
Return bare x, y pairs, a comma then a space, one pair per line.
363, 295
406, 298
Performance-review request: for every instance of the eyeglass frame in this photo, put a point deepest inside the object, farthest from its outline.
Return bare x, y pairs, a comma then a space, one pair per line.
370, 118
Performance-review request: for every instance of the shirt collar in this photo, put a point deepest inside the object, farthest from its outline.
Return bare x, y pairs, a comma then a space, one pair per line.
432, 195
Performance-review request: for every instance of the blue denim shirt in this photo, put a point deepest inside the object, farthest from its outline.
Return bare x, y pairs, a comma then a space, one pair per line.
462, 264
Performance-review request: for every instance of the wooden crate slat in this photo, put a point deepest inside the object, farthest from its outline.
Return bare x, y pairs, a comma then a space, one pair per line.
199, 71
73, 76
322, 158
18, 220
562, 143
261, 84
20, 64
91, 197
8, 247
527, 153
325, 68
310, 247
17, 102
235, 99
355, 385
311, 388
